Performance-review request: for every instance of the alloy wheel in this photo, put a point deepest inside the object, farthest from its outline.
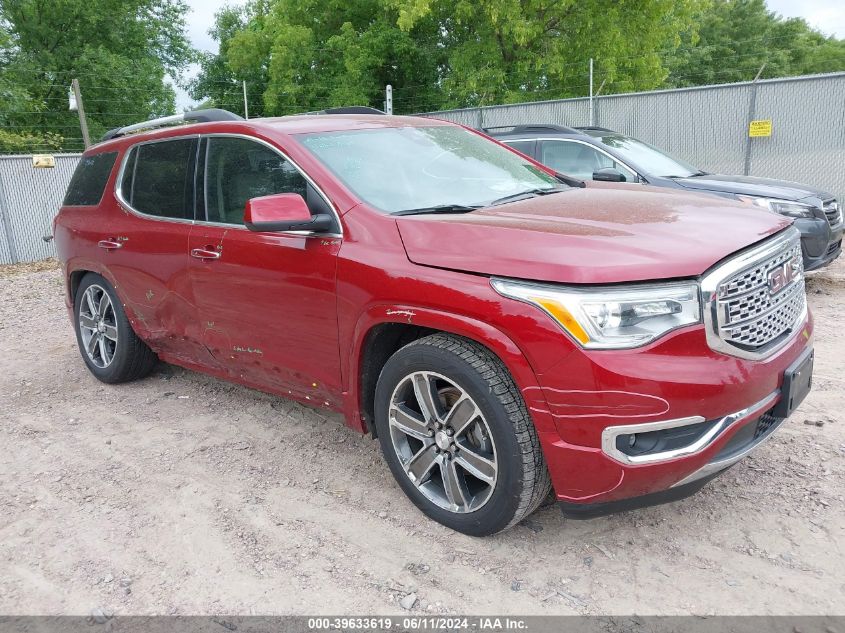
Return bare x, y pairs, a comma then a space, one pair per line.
443, 442
98, 326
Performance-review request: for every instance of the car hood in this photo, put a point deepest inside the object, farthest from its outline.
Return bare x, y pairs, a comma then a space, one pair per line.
609, 234
751, 186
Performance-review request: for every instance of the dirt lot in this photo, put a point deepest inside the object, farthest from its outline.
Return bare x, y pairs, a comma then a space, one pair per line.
184, 494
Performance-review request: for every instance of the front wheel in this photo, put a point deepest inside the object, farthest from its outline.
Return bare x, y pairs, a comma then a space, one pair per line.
457, 437
110, 348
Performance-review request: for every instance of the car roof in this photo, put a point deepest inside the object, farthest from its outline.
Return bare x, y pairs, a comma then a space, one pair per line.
271, 126
305, 124
542, 130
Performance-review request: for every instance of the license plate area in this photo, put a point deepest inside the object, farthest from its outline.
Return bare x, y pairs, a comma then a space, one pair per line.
797, 382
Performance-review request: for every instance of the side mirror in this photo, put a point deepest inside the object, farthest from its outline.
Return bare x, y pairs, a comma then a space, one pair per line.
609, 174
284, 212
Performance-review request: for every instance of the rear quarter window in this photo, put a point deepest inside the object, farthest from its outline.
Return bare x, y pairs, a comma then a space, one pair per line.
89, 180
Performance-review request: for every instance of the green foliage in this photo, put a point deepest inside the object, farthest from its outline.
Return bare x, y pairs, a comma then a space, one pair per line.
120, 50
516, 50
25, 143
736, 37
311, 54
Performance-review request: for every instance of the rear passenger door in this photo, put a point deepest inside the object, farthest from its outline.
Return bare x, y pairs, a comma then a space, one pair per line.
150, 258
266, 301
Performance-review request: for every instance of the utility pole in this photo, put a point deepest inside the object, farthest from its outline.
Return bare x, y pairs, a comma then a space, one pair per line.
388, 99
591, 92
83, 122
246, 106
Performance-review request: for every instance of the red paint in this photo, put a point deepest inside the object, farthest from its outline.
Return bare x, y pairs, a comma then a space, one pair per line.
289, 314
280, 207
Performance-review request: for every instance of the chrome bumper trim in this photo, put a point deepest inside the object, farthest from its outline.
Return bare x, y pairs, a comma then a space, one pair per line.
610, 433
714, 467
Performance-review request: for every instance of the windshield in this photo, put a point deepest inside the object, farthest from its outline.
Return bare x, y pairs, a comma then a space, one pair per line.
404, 168
648, 158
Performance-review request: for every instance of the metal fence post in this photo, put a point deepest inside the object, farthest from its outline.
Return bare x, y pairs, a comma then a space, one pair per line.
752, 111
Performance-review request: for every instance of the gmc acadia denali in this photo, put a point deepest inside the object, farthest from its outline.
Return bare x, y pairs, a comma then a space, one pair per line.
502, 330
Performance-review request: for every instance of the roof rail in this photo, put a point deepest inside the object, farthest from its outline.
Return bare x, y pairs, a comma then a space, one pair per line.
195, 116
528, 129
351, 110
593, 127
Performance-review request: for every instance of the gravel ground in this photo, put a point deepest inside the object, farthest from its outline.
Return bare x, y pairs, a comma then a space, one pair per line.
183, 494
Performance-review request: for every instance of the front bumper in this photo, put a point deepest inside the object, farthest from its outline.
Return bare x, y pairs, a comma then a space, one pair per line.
746, 439
677, 378
820, 244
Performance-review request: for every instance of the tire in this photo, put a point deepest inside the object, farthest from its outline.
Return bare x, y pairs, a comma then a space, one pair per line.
116, 353
489, 473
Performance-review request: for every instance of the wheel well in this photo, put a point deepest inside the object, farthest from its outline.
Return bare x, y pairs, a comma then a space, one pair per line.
74, 281
380, 344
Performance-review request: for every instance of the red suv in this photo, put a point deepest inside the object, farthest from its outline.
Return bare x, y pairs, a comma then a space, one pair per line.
501, 329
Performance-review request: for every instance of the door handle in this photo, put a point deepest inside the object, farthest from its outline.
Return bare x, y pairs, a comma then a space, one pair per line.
109, 245
202, 253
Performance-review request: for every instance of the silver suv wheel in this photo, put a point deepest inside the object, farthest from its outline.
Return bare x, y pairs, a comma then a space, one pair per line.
443, 442
98, 326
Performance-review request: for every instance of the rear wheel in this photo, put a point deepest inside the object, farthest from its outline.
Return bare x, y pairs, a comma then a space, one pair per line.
457, 436
110, 348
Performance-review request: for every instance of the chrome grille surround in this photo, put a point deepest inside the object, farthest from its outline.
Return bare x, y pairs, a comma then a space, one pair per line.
833, 213
743, 315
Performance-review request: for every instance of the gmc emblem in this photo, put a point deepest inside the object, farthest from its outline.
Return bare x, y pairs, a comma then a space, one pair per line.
781, 276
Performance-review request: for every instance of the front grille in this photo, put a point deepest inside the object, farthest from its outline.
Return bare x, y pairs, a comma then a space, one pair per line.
757, 299
833, 213
766, 421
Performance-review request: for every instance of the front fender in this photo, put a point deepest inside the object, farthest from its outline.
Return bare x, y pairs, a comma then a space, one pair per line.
483, 333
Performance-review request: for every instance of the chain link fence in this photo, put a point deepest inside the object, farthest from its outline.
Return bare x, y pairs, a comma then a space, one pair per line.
708, 126
29, 200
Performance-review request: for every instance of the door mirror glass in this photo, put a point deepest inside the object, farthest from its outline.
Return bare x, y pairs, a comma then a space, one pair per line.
283, 212
609, 174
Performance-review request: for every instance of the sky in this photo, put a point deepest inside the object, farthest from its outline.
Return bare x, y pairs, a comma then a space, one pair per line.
828, 16
200, 20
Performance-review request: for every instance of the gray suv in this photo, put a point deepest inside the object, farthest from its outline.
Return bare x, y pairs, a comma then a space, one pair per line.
596, 153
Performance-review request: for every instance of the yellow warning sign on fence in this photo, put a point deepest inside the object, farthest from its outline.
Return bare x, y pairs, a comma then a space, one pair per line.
43, 161
762, 127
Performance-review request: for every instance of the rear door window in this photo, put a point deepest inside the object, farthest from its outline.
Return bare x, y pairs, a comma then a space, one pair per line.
159, 178
89, 180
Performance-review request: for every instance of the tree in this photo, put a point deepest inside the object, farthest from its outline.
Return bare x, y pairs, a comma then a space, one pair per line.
311, 54
516, 50
736, 37
120, 50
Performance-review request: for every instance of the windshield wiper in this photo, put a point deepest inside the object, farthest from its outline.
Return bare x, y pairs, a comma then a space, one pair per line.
441, 208
528, 193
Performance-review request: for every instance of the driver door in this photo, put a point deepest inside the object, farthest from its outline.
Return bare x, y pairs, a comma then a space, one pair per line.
266, 301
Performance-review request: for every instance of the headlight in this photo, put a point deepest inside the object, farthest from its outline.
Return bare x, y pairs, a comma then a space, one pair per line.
611, 318
785, 207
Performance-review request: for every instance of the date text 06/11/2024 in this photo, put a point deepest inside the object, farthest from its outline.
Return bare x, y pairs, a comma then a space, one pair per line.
430, 623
